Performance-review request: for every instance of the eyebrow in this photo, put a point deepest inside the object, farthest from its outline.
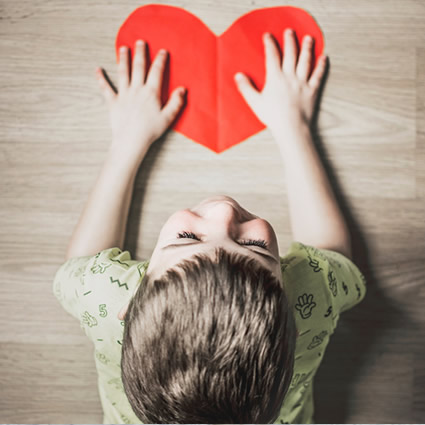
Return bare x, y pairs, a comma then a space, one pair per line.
177, 245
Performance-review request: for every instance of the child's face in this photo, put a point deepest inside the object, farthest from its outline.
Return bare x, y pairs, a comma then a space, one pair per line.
217, 221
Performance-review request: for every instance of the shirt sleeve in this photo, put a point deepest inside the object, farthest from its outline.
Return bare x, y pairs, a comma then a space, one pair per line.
343, 281
110, 274
111, 280
68, 280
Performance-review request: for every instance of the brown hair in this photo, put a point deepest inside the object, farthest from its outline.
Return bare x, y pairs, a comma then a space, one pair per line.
209, 342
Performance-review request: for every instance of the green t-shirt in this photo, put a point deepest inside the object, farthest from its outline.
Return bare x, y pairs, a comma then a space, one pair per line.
319, 283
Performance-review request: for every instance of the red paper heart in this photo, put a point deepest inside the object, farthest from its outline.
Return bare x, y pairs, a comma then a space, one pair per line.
215, 114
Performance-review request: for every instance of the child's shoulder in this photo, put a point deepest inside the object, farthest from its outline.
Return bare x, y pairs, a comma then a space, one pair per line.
330, 273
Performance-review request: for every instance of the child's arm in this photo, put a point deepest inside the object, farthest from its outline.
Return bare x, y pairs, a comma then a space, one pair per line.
286, 106
137, 120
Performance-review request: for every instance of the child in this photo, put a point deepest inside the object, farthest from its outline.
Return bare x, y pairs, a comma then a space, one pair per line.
219, 328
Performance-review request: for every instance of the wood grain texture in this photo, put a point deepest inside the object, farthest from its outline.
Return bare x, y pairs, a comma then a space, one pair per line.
54, 132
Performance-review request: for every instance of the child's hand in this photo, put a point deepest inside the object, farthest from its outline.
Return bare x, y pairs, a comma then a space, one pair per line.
288, 92
137, 119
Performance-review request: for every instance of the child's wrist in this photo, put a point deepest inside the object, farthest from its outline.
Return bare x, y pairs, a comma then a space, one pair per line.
295, 121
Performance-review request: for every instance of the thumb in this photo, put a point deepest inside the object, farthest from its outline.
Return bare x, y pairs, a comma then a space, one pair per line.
248, 91
175, 102
107, 90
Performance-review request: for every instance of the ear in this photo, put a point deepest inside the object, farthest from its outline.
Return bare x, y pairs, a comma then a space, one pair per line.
122, 312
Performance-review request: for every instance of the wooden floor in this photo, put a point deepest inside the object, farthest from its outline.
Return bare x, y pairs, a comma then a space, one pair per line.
54, 134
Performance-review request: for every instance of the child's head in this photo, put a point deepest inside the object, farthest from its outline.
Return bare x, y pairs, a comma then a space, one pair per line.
217, 221
209, 336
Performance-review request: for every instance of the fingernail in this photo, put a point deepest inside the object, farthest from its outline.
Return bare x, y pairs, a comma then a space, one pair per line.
289, 31
139, 42
238, 76
123, 49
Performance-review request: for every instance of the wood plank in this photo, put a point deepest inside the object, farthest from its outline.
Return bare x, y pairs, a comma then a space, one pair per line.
54, 134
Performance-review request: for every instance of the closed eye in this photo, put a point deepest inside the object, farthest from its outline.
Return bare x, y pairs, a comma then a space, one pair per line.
258, 242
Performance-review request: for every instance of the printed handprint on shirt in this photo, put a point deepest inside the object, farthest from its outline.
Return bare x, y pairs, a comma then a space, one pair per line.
314, 264
125, 419
79, 273
88, 319
102, 358
332, 283
295, 379
117, 382
317, 340
305, 305
100, 268
299, 378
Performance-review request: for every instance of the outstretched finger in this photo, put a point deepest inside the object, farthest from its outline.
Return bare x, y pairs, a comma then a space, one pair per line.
304, 61
318, 72
156, 71
290, 54
139, 64
272, 54
107, 90
247, 89
174, 104
123, 69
